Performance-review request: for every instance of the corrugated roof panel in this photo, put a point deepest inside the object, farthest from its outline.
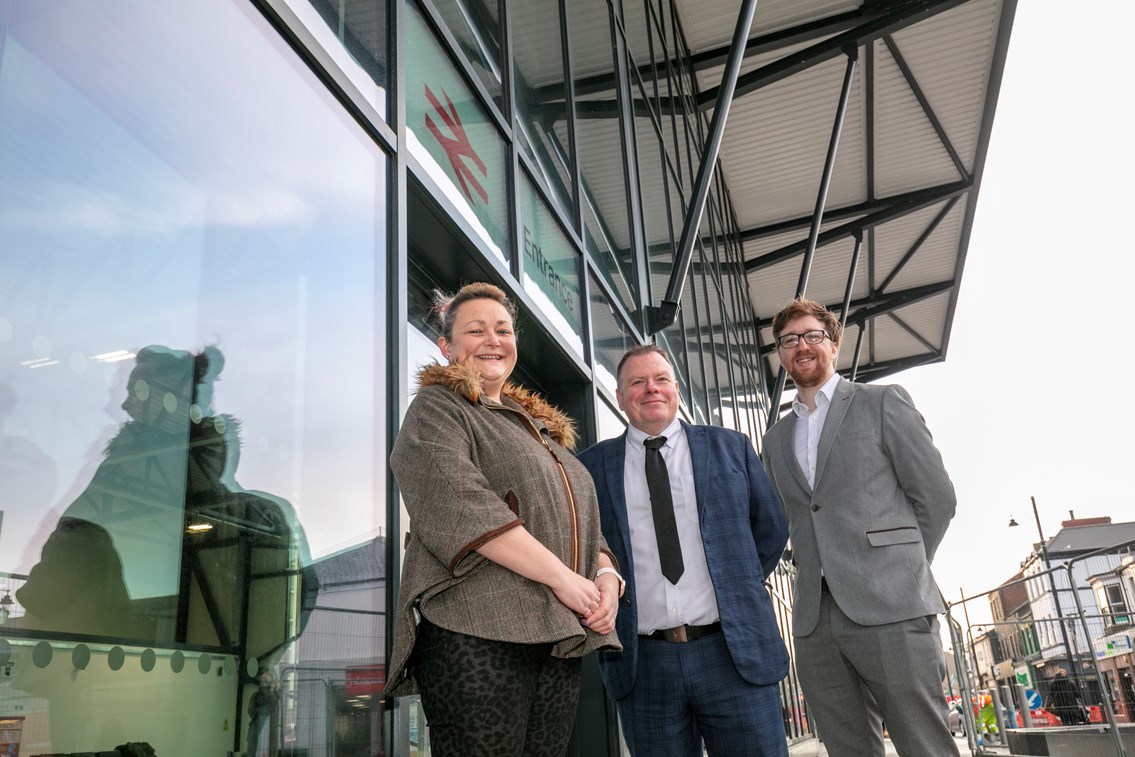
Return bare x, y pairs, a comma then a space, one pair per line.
600, 156
589, 25
709, 24
776, 141
950, 56
933, 261
908, 153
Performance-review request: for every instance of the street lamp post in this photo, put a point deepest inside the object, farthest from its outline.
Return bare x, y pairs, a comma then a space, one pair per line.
1072, 662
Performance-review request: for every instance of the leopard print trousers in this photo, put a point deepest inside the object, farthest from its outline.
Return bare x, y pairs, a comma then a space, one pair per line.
494, 699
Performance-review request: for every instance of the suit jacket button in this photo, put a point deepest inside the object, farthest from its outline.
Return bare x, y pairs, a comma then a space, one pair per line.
815, 508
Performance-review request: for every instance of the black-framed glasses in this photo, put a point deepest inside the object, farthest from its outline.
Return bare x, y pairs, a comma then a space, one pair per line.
789, 341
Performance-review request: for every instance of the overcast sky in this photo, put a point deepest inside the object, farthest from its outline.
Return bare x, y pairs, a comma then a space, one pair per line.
1034, 396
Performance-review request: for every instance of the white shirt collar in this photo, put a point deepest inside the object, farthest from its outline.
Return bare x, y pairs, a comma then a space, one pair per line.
827, 391
636, 436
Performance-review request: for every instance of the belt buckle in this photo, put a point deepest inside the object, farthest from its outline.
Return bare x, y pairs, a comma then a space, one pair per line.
677, 635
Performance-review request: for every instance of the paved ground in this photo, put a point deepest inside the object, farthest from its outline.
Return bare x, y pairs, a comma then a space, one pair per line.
813, 748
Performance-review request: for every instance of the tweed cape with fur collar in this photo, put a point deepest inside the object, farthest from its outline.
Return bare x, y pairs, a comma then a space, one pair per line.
470, 469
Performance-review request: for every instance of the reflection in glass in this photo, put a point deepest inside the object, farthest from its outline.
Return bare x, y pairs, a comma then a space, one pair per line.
609, 421
670, 341
688, 338
550, 266
451, 134
611, 335
656, 215
475, 24
176, 178
355, 34
541, 95
163, 528
607, 231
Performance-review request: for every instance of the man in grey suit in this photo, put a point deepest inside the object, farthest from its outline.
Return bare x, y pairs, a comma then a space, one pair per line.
868, 501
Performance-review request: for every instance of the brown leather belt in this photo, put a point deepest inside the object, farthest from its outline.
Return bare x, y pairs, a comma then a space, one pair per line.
682, 634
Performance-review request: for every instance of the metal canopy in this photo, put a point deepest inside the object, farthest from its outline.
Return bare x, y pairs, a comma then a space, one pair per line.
907, 171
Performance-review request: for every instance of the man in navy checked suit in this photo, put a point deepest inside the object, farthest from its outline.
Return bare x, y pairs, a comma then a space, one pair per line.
701, 656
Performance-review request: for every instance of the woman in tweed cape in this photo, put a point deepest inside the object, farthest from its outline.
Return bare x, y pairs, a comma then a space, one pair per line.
507, 581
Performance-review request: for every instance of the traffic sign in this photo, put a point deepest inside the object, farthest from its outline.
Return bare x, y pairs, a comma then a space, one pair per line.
1033, 697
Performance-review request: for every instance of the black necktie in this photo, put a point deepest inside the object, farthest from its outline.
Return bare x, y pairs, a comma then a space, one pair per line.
662, 507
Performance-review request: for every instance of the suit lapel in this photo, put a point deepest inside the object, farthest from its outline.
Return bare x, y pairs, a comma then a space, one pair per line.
788, 450
616, 489
699, 459
841, 401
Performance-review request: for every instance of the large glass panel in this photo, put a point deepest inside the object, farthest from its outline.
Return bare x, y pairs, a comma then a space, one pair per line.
609, 421
541, 95
355, 34
550, 266
475, 24
670, 341
711, 343
192, 388
451, 135
653, 191
421, 350
690, 334
612, 337
607, 230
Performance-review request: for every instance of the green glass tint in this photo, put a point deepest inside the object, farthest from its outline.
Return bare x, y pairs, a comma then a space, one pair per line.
541, 96
476, 27
550, 266
453, 138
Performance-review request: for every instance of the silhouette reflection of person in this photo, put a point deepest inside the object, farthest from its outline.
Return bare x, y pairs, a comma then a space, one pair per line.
163, 545
26, 474
260, 709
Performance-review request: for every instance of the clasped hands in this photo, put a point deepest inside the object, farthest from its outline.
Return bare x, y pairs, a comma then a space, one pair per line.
595, 602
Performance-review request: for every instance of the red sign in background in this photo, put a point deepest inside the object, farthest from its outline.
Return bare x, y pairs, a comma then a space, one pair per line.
363, 679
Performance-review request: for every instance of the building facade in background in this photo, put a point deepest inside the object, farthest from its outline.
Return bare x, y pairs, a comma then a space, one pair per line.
220, 226
1071, 614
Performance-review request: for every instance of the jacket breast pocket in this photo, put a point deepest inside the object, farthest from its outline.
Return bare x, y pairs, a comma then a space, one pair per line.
889, 536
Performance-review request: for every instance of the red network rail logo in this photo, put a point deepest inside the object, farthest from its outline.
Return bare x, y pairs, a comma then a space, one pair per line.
457, 147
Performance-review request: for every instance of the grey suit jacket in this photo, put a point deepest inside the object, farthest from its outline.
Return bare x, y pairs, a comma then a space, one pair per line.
880, 507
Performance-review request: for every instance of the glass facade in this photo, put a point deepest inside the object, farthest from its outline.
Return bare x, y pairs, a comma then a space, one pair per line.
213, 302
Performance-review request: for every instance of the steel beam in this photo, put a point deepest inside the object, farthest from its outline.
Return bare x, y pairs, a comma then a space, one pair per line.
906, 14
663, 315
877, 218
851, 280
821, 202
829, 168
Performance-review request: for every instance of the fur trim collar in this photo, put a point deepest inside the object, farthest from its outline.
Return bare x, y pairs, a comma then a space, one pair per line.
465, 380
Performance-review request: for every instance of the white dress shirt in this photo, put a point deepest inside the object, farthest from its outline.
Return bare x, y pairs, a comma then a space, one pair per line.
661, 604
809, 426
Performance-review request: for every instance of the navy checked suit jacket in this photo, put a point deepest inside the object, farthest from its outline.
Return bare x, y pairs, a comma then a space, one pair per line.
744, 532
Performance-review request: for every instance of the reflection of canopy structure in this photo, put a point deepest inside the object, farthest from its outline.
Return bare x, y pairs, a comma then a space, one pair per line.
166, 504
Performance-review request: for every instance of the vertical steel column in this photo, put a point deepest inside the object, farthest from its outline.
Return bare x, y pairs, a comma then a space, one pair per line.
855, 357
665, 313
1072, 661
818, 215
1120, 749
829, 167
851, 279
960, 667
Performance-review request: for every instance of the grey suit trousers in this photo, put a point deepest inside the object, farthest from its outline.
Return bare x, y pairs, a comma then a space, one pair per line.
855, 675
